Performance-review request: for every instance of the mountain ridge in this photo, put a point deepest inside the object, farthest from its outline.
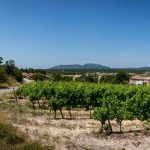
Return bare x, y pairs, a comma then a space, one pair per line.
93, 66
77, 66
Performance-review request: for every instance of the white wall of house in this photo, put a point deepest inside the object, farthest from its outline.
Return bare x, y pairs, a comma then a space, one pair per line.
139, 82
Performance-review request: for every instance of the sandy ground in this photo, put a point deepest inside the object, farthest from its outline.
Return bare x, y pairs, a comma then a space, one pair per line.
82, 134
5, 90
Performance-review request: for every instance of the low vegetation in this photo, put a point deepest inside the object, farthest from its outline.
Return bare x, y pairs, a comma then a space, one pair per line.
109, 102
9, 70
121, 77
38, 126
11, 138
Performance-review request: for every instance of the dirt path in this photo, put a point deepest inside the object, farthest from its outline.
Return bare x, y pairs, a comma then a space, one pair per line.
6, 90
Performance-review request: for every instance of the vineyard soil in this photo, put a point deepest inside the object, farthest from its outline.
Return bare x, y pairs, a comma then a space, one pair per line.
81, 134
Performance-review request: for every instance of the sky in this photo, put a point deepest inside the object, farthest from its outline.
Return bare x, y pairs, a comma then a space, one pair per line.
45, 33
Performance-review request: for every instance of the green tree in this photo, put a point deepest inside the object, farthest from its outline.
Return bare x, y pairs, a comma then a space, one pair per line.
56, 77
18, 74
122, 77
10, 66
12, 70
1, 60
107, 79
91, 79
3, 76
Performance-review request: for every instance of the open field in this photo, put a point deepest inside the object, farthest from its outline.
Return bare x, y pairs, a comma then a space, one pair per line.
80, 133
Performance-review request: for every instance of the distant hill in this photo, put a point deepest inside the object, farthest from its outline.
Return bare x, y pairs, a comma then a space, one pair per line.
77, 66
144, 68
90, 67
140, 68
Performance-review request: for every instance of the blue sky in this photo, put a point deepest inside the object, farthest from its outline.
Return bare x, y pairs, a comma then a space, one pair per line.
44, 33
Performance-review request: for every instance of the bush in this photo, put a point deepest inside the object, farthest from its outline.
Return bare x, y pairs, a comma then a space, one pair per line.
38, 77
102, 114
8, 134
11, 140
107, 79
3, 76
36, 146
18, 74
13, 71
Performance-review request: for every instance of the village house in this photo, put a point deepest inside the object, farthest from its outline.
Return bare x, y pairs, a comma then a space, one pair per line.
28, 75
140, 80
77, 77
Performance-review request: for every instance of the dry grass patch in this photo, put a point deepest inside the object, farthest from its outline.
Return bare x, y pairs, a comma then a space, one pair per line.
80, 133
15, 139
84, 133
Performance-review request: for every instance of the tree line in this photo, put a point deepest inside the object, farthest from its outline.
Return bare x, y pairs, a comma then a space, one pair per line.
121, 77
9, 69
